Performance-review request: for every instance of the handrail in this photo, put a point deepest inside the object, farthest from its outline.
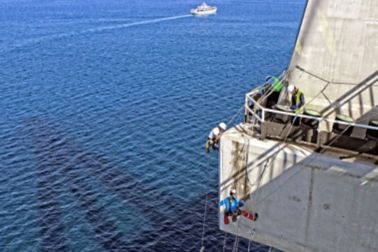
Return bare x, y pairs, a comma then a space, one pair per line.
249, 98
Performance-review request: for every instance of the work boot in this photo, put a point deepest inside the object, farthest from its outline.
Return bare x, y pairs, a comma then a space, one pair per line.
252, 217
226, 220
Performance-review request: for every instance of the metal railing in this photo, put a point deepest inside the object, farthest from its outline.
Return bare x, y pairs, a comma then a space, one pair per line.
259, 112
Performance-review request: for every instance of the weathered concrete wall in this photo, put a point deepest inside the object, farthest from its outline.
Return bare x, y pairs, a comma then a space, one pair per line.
306, 201
338, 42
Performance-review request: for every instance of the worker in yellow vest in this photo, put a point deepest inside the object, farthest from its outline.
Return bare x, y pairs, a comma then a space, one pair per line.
297, 101
297, 98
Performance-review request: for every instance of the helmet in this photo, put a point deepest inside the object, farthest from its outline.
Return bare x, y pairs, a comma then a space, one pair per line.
223, 126
233, 191
290, 88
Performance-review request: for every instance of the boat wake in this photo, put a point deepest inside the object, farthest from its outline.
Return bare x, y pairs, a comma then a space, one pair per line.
120, 26
37, 40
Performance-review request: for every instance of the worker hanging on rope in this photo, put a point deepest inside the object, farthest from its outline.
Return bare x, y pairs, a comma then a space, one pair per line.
214, 137
233, 208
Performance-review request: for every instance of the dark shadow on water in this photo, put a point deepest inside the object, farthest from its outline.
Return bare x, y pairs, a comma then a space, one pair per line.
55, 166
176, 225
106, 230
49, 187
127, 187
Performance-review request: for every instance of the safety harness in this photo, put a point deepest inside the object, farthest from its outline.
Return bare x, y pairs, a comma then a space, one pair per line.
229, 212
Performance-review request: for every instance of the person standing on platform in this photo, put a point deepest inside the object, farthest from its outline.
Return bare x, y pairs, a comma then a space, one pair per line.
297, 98
297, 101
275, 85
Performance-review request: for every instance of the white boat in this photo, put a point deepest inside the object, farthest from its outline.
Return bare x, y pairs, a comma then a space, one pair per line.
204, 9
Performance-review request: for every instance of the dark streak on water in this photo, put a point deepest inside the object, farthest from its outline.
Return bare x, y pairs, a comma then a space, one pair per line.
64, 163
106, 230
49, 186
60, 160
126, 186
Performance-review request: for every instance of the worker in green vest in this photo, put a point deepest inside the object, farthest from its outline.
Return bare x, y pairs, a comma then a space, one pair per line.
276, 83
275, 86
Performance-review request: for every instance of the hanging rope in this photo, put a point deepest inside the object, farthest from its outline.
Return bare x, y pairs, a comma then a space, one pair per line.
235, 115
236, 243
309, 162
249, 242
206, 208
224, 241
206, 198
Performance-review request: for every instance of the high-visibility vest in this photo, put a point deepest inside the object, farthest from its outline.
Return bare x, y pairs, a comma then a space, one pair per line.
277, 85
298, 97
298, 100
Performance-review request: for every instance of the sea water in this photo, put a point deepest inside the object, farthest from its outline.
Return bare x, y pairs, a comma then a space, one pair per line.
104, 110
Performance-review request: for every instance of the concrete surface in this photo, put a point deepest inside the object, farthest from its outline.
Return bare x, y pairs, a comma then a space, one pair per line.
338, 42
306, 201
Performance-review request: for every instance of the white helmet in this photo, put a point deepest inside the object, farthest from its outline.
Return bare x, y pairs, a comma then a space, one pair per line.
233, 191
223, 126
290, 88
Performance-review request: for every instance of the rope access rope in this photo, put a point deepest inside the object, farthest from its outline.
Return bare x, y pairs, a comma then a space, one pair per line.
249, 242
262, 98
271, 90
268, 161
237, 239
235, 115
206, 199
205, 213
236, 243
224, 242
309, 162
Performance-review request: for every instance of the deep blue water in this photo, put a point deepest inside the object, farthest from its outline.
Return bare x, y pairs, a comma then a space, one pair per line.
104, 109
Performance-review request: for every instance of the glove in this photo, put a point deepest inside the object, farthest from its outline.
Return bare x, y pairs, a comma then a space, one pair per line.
207, 147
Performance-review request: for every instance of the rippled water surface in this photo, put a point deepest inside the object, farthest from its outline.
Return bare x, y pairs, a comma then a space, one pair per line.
104, 109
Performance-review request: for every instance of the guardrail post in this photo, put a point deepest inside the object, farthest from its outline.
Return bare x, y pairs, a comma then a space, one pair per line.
318, 137
263, 115
263, 126
246, 116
